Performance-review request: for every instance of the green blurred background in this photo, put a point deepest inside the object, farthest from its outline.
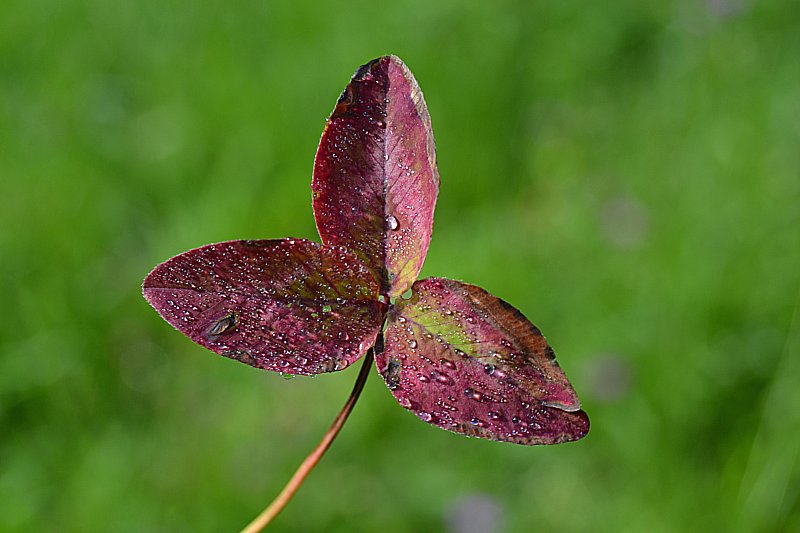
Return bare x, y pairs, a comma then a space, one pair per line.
627, 175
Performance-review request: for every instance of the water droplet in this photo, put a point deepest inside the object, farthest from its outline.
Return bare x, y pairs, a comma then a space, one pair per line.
494, 415
412, 344
488, 369
423, 378
225, 325
451, 408
391, 222
326, 308
526, 405
344, 335
470, 319
477, 422
443, 378
424, 415
401, 319
473, 394
286, 376
449, 364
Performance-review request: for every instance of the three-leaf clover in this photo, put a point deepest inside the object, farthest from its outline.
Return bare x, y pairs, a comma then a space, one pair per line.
453, 354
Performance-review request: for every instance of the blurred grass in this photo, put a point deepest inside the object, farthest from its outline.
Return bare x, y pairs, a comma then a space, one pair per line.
626, 175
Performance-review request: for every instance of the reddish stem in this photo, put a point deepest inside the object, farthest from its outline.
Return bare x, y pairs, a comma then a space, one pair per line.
277, 505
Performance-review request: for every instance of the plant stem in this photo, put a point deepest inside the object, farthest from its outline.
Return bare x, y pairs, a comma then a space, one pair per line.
277, 505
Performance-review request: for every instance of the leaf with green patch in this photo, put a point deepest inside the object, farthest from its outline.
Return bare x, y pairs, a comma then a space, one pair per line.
287, 305
469, 362
375, 178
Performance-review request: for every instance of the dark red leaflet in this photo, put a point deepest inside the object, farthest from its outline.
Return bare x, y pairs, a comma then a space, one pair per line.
375, 179
469, 362
287, 305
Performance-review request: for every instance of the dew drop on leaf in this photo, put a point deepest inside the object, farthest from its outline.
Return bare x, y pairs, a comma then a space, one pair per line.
473, 394
224, 325
444, 379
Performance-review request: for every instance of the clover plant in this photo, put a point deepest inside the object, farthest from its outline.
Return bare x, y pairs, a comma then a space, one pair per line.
453, 354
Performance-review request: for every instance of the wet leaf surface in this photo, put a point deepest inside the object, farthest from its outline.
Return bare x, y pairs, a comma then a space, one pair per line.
467, 361
286, 305
375, 178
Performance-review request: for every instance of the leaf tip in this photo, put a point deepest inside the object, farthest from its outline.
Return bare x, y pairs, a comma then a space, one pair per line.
581, 426
365, 70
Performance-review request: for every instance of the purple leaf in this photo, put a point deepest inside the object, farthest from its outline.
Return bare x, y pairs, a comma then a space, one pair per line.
375, 178
286, 305
469, 362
